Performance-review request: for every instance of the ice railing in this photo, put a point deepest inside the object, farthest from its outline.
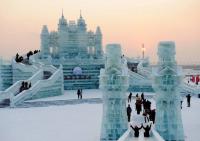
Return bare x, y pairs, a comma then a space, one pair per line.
143, 70
14, 89
136, 75
128, 136
23, 67
191, 88
36, 87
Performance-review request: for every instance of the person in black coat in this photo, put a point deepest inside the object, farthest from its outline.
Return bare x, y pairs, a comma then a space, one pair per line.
79, 93
188, 99
129, 97
148, 105
136, 130
129, 110
146, 130
142, 96
152, 115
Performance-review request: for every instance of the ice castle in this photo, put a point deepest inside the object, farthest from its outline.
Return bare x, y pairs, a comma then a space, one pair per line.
78, 50
69, 58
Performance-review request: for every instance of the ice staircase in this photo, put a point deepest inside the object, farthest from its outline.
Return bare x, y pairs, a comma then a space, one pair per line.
144, 71
46, 80
190, 88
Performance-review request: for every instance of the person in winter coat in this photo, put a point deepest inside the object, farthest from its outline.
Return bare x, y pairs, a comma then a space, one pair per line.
79, 93
146, 130
129, 97
188, 99
129, 110
136, 130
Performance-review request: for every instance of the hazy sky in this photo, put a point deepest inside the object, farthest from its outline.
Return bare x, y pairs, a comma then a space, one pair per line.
128, 22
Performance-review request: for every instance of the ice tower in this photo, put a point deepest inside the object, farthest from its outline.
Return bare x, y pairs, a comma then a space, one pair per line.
167, 78
114, 83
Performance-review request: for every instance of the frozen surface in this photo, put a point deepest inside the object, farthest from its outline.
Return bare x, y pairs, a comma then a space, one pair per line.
72, 94
81, 122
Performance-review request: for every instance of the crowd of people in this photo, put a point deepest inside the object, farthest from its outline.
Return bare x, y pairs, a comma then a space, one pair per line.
194, 79
19, 58
142, 106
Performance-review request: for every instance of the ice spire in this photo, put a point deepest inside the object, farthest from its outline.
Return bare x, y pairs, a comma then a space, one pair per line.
80, 15
62, 13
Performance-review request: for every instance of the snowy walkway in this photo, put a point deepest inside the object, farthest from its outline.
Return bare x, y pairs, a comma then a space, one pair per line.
138, 120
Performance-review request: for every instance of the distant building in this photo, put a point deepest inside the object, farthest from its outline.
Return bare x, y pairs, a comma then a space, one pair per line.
71, 40
74, 47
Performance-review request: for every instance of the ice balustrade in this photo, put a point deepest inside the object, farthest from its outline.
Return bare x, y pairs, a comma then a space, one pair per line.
36, 87
144, 70
14, 89
128, 136
23, 67
139, 79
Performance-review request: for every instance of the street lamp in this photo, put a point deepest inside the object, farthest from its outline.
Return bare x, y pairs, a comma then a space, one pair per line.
143, 50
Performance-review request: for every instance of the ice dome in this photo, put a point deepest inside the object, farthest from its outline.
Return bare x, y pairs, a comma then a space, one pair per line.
77, 71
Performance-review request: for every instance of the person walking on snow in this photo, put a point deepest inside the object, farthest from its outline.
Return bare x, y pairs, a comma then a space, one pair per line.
129, 110
188, 99
79, 93
129, 97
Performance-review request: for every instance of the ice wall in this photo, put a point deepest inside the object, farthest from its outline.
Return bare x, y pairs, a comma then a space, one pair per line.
167, 78
114, 83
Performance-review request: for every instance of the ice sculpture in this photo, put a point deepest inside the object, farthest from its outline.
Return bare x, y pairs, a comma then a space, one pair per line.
167, 78
114, 83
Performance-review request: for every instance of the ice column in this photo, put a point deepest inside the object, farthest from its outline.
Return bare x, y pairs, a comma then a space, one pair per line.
114, 83
167, 78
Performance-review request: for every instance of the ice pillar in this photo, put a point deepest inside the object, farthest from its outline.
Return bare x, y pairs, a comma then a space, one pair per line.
167, 78
114, 83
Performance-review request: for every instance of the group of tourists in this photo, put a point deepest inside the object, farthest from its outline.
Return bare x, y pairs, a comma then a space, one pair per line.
24, 86
136, 130
18, 58
80, 93
143, 106
194, 79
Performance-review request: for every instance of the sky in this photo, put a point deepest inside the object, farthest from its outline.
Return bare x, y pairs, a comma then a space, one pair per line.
128, 22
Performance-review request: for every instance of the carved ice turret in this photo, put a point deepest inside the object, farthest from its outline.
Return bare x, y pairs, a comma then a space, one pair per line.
167, 79
114, 83
44, 44
98, 43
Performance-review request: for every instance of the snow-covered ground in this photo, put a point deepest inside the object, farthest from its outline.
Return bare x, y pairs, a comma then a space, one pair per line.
79, 122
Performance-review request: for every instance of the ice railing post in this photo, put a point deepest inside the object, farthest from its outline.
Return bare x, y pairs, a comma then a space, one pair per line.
167, 79
114, 82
